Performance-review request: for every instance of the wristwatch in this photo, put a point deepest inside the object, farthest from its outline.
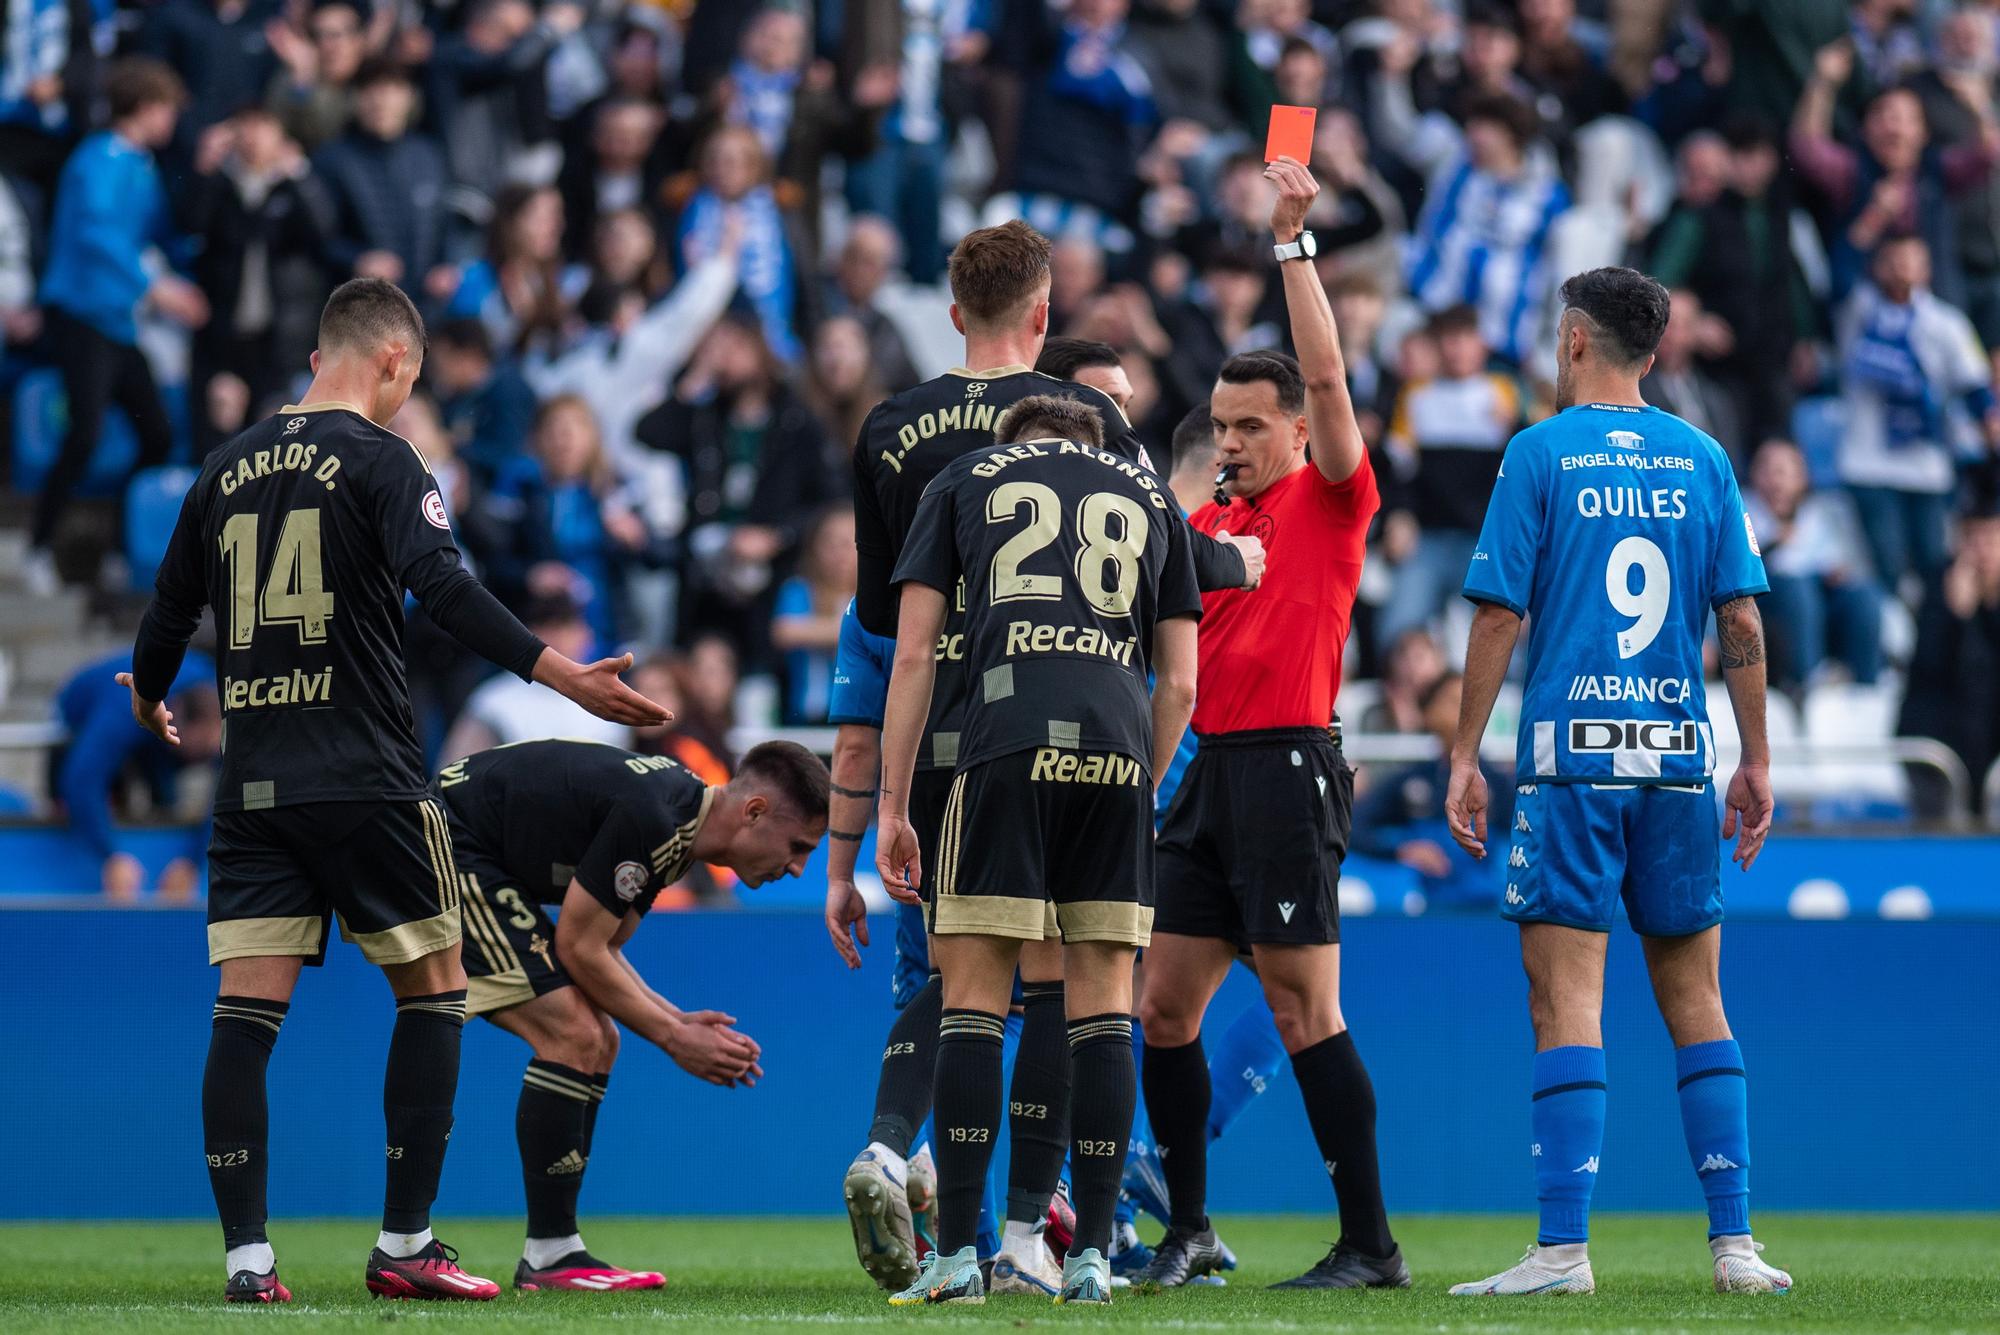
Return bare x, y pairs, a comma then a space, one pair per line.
1302, 249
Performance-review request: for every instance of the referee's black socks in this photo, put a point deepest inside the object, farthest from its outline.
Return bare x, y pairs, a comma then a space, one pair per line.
967, 1117
909, 1065
1340, 1104
235, 1118
1105, 1088
417, 1090
1038, 1103
1177, 1097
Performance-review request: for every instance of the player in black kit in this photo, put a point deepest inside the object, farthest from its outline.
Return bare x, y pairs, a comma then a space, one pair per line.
599, 832
1077, 579
303, 533
1000, 301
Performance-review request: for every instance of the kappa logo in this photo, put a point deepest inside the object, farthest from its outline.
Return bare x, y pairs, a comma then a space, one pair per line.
1517, 857
1521, 823
1716, 1163
1329, 1166
1285, 911
1514, 895
1587, 1166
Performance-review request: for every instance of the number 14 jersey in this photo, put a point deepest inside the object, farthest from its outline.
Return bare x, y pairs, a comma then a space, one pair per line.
302, 534
1615, 530
1069, 556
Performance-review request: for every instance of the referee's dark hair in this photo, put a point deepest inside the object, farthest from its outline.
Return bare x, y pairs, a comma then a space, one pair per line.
1281, 369
995, 271
794, 774
1063, 356
1628, 309
1050, 417
364, 313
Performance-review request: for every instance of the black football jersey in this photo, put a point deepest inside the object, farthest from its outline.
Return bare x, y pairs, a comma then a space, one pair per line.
1067, 556
621, 825
907, 440
298, 534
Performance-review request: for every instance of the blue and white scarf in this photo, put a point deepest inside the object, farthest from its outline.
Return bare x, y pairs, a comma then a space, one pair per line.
763, 102
1884, 357
767, 279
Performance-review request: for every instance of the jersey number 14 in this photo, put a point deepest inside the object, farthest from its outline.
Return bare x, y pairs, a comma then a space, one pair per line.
294, 595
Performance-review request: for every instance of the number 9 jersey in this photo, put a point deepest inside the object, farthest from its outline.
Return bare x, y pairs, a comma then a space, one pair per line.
1615, 530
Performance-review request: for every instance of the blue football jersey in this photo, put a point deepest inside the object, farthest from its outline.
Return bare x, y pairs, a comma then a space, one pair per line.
861, 666
1615, 530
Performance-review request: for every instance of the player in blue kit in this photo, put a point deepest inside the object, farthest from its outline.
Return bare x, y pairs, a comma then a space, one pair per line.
1616, 527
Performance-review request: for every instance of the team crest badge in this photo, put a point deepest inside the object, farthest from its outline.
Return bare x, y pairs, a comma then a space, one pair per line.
628, 881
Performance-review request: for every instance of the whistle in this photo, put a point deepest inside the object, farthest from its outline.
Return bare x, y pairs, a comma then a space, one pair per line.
1222, 477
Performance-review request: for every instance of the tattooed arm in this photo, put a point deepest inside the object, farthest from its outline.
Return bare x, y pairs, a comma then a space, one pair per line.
1741, 632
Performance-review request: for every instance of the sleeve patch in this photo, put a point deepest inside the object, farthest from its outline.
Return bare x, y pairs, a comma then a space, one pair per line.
434, 510
1750, 532
628, 880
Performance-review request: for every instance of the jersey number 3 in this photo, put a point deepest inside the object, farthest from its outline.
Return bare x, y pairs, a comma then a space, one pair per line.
1093, 529
295, 594
1649, 604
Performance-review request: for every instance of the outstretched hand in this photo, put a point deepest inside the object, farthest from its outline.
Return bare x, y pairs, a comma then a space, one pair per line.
597, 688
152, 715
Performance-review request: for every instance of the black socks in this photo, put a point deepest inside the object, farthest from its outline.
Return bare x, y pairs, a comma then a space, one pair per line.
909, 1067
417, 1090
552, 1123
966, 1117
1105, 1088
235, 1118
1177, 1098
1340, 1104
1038, 1103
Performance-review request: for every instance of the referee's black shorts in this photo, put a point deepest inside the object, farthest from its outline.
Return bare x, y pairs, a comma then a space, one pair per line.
1251, 848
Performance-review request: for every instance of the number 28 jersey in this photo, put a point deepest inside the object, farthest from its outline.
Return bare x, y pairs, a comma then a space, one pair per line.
302, 534
1066, 557
1615, 530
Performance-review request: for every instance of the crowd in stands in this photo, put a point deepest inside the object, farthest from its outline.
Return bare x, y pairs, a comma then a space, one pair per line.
661, 242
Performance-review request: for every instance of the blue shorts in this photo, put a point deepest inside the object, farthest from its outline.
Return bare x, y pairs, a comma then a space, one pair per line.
1579, 848
913, 955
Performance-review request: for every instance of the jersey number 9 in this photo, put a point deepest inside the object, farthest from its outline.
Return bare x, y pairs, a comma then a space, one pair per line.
1649, 604
1093, 528
294, 595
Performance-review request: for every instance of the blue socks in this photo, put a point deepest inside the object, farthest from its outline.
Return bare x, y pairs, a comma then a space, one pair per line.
1242, 1065
1715, 1116
1569, 1136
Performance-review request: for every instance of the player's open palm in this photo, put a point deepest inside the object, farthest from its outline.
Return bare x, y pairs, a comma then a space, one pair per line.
597, 688
152, 715
896, 859
1747, 819
846, 920
1465, 807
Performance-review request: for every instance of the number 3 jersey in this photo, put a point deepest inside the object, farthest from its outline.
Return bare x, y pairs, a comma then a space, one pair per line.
302, 533
1069, 556
1615, 530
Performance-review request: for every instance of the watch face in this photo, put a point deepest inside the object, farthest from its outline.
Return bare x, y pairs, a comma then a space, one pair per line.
1307, 245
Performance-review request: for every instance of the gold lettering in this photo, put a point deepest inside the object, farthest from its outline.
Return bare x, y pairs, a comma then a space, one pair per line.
1066, 769
1017, 636
1045, 763
948, 419
981, 418
1091, 771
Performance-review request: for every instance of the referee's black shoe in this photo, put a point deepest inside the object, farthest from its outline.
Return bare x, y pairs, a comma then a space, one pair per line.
1347, 1268
1180, 1257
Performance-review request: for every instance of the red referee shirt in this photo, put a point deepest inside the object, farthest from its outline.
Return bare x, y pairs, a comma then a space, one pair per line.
1270, 656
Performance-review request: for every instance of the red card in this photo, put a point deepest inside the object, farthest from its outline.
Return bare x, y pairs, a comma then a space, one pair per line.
1291, 134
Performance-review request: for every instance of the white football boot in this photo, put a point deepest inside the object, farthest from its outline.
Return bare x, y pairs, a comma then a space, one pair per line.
1739, 1269
1556, 1269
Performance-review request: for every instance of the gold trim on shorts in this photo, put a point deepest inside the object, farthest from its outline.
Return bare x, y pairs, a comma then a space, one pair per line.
994, 915
497, 992
1105, 920
406, 941
242, 938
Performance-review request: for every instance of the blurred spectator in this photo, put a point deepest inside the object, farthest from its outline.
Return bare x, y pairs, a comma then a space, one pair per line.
841, 386
1734, 253
805, 628
1895, 180
866, 259
1887, 46
487, 98
1187, 51
1399, 817
259, 261
40, 79
1950, 693
1358, 310
384, 186
220, 49
626, 253
734, 192
1678, 383
1218, 320
1563, 61
1446, 438
102, 751
1823, 603
708, 677
20, 322
757, 467
1908, 364
314, 94
1770, 49
658, 678
506, 709
1953, 91
615, 171
571, 528
521, 290
485, 404
110, 210
1076, 272
903, 179
1357, 218
1489, 205
1412, 665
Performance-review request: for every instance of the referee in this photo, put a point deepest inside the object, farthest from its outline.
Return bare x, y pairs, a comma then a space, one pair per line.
1249, 855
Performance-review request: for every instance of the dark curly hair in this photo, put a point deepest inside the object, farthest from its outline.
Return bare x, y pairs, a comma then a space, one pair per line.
1626, 305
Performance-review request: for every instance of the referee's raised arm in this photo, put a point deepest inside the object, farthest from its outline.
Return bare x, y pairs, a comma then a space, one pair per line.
1337, 447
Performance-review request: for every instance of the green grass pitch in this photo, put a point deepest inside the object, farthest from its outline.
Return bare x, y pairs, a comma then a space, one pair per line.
1854, 1273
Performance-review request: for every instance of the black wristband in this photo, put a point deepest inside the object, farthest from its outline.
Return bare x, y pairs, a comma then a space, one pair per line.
851, 792
847, 836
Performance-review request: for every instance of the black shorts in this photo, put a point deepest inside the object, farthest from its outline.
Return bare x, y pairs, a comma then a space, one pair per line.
510, 940
1251, 848
930, 789
1048, 842
385, 868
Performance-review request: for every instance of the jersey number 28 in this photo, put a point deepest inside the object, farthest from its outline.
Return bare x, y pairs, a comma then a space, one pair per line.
1649, 604
1093, 529
295, 594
